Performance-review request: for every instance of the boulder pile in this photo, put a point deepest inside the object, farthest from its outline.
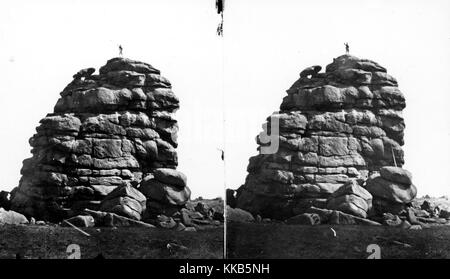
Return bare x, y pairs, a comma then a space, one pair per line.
335, 131
108, 132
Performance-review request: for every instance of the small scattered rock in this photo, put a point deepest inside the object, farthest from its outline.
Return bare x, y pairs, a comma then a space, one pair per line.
391, 220
185, 219
426, 205
180, 227
405, 225
201, 208
444, 214
218, 216
415, 227
304, 219
258, 218
238, 215
166, 222
396, 174
176, 248
83, 221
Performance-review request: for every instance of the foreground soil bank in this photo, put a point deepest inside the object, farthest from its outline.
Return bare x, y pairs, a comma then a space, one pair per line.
273, 240
52, 242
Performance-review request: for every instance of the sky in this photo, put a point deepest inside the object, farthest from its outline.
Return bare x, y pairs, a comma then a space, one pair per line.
227, 86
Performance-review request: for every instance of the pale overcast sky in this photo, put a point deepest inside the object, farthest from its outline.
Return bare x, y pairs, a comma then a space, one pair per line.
242, 76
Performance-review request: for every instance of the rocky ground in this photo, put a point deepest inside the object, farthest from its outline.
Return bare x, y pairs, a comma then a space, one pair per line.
268, 241
52, 242
249, 237
196, 233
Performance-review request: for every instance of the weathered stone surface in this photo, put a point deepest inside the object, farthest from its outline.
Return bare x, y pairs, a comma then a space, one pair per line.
125, 64
165, 193
333, 127
310, 71
391, 220
107, 130
238, 215
171, 176
351, 204
391, 191
12, 217
397, 175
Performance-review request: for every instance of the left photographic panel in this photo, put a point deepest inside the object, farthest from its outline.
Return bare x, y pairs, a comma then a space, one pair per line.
124, 163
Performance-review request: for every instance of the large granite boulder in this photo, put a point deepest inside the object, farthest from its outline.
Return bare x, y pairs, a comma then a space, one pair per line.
107, 131
392, 189
333, 127
166, 192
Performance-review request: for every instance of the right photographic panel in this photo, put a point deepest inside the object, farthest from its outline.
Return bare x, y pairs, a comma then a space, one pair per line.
352, 127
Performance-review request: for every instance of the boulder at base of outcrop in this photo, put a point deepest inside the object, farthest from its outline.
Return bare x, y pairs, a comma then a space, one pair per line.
238, 215
352, 199
84, 221
390, 186
381, 206
12, 217
396, 174
165, 222
166, 192
304, 219
171, 176
126, 201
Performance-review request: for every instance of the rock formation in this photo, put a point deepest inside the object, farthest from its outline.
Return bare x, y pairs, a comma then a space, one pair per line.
333, 127
108, 130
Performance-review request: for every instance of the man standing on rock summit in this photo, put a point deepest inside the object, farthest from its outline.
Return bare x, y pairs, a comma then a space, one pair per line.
120, 51
347, 48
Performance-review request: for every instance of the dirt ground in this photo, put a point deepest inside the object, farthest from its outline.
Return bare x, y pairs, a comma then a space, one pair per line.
261, 241
31, 241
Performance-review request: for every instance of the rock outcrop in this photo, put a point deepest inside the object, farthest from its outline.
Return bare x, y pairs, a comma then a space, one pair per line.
107, 131
333, 127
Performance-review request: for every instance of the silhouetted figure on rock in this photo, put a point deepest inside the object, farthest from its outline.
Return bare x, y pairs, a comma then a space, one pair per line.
120, 50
